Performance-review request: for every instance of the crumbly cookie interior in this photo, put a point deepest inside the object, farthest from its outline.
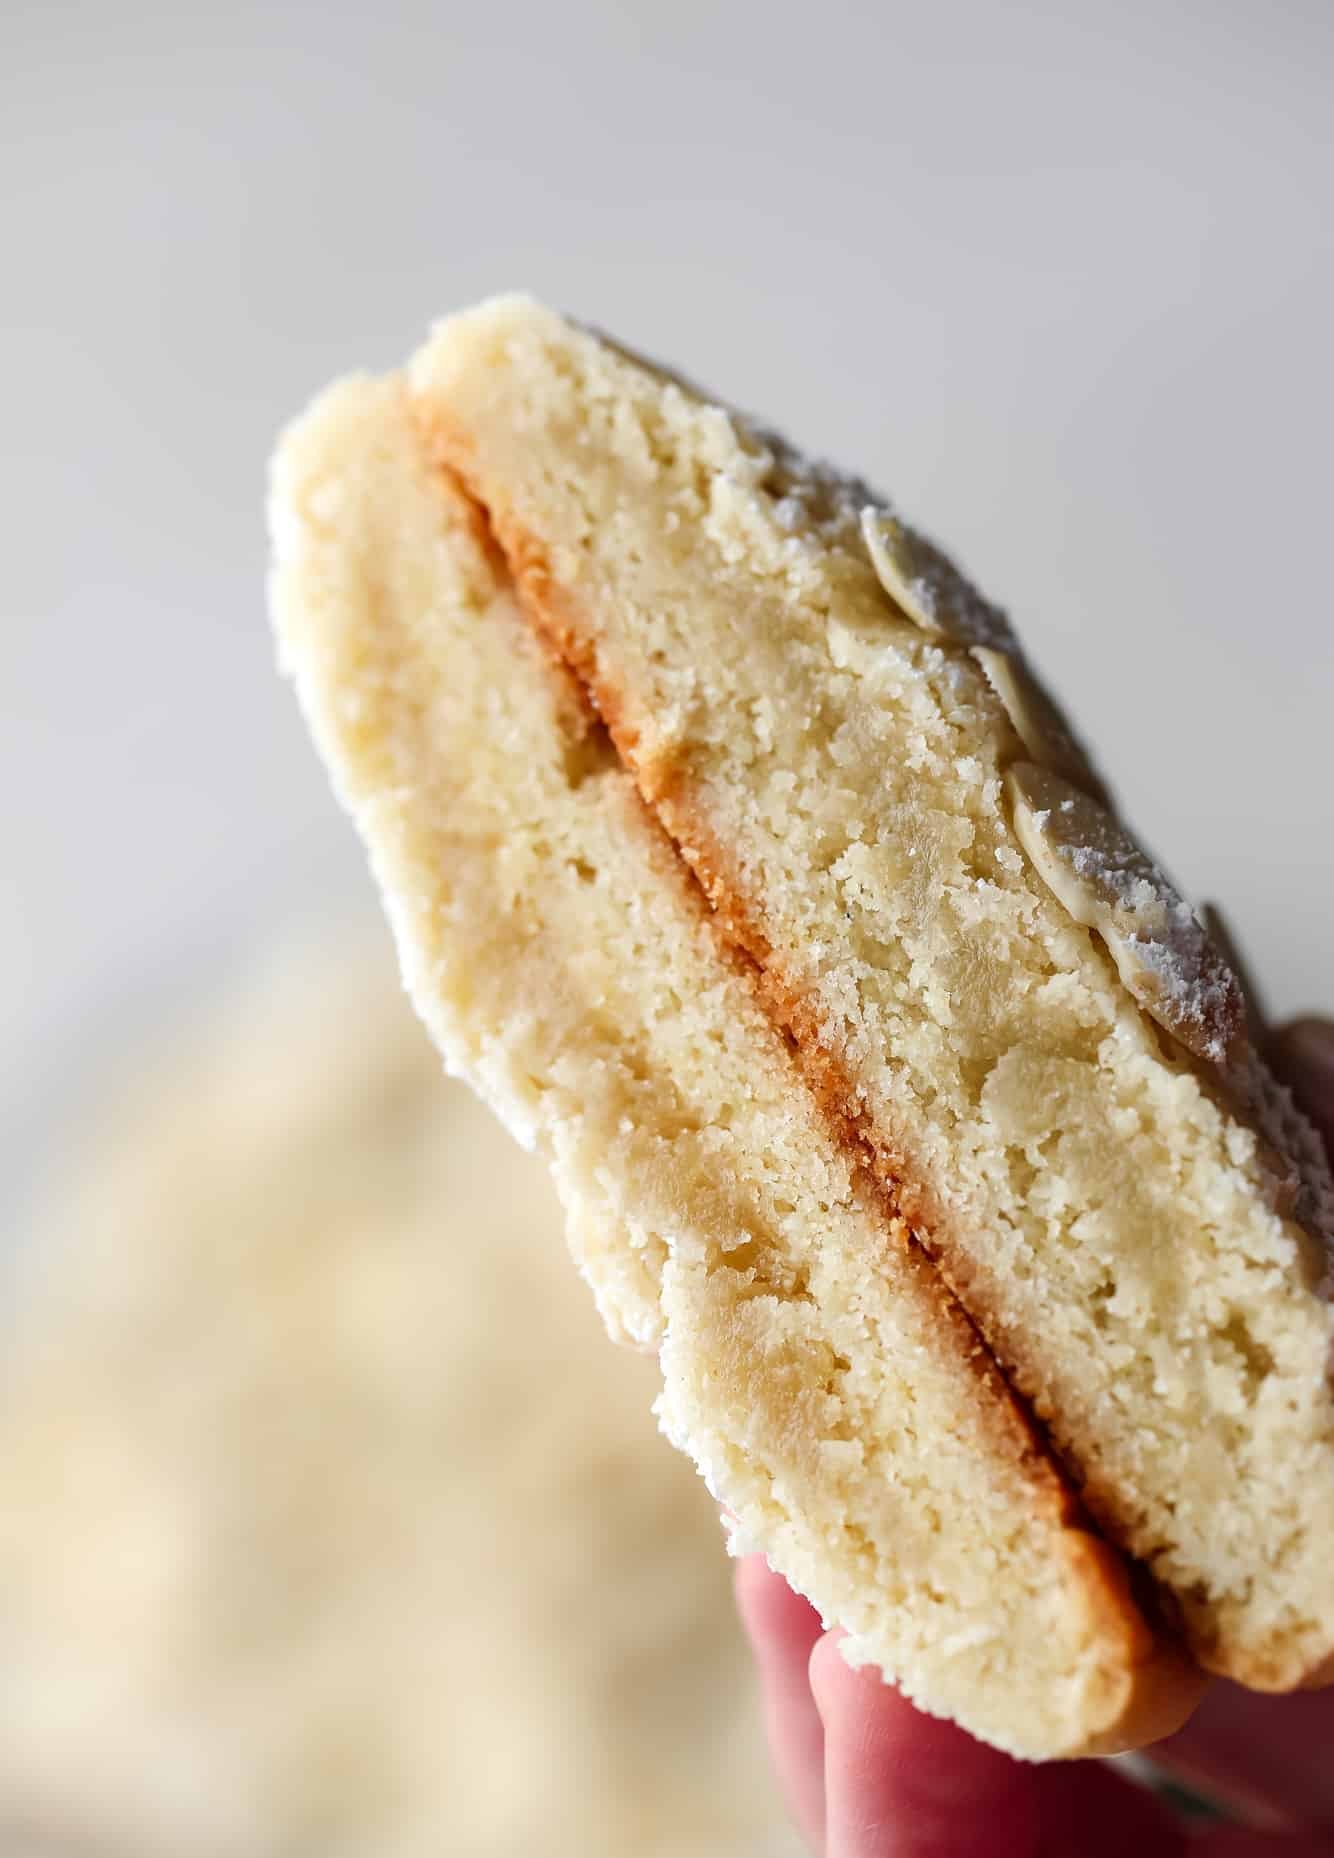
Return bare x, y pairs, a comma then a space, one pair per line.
835, 777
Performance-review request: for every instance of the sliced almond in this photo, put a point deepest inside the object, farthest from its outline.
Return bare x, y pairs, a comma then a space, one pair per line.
928, 587
1225, 941
1037, 721
1161, 949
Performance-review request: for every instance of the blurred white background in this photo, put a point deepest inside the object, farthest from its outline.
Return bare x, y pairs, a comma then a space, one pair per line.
1060, 277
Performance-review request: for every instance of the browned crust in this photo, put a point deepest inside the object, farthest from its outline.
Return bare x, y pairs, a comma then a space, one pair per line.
1157, 1685
1152, 1684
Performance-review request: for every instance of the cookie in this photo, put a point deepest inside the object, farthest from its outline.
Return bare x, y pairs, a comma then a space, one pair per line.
568, 962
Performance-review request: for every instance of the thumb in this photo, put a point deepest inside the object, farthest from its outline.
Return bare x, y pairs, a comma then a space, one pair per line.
902, 1785
1302, 1053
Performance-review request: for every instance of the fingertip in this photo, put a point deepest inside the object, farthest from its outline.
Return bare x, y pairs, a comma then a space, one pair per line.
837, 1687
771, 1611
782, 1627
858, 1697
751, 1573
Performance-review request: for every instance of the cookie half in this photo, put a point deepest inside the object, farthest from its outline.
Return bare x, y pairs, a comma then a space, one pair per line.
1006, 1006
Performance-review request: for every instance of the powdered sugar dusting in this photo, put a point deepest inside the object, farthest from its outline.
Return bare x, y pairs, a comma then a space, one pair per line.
1195, 986
1161, 949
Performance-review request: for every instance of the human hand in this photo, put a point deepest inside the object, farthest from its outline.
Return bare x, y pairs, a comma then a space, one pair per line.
865, 1775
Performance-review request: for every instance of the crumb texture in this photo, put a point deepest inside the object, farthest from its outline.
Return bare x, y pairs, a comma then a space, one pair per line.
813, 1364
833, 766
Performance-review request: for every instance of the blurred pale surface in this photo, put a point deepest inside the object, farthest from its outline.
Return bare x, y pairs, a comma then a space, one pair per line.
1059, 276
330, 1523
